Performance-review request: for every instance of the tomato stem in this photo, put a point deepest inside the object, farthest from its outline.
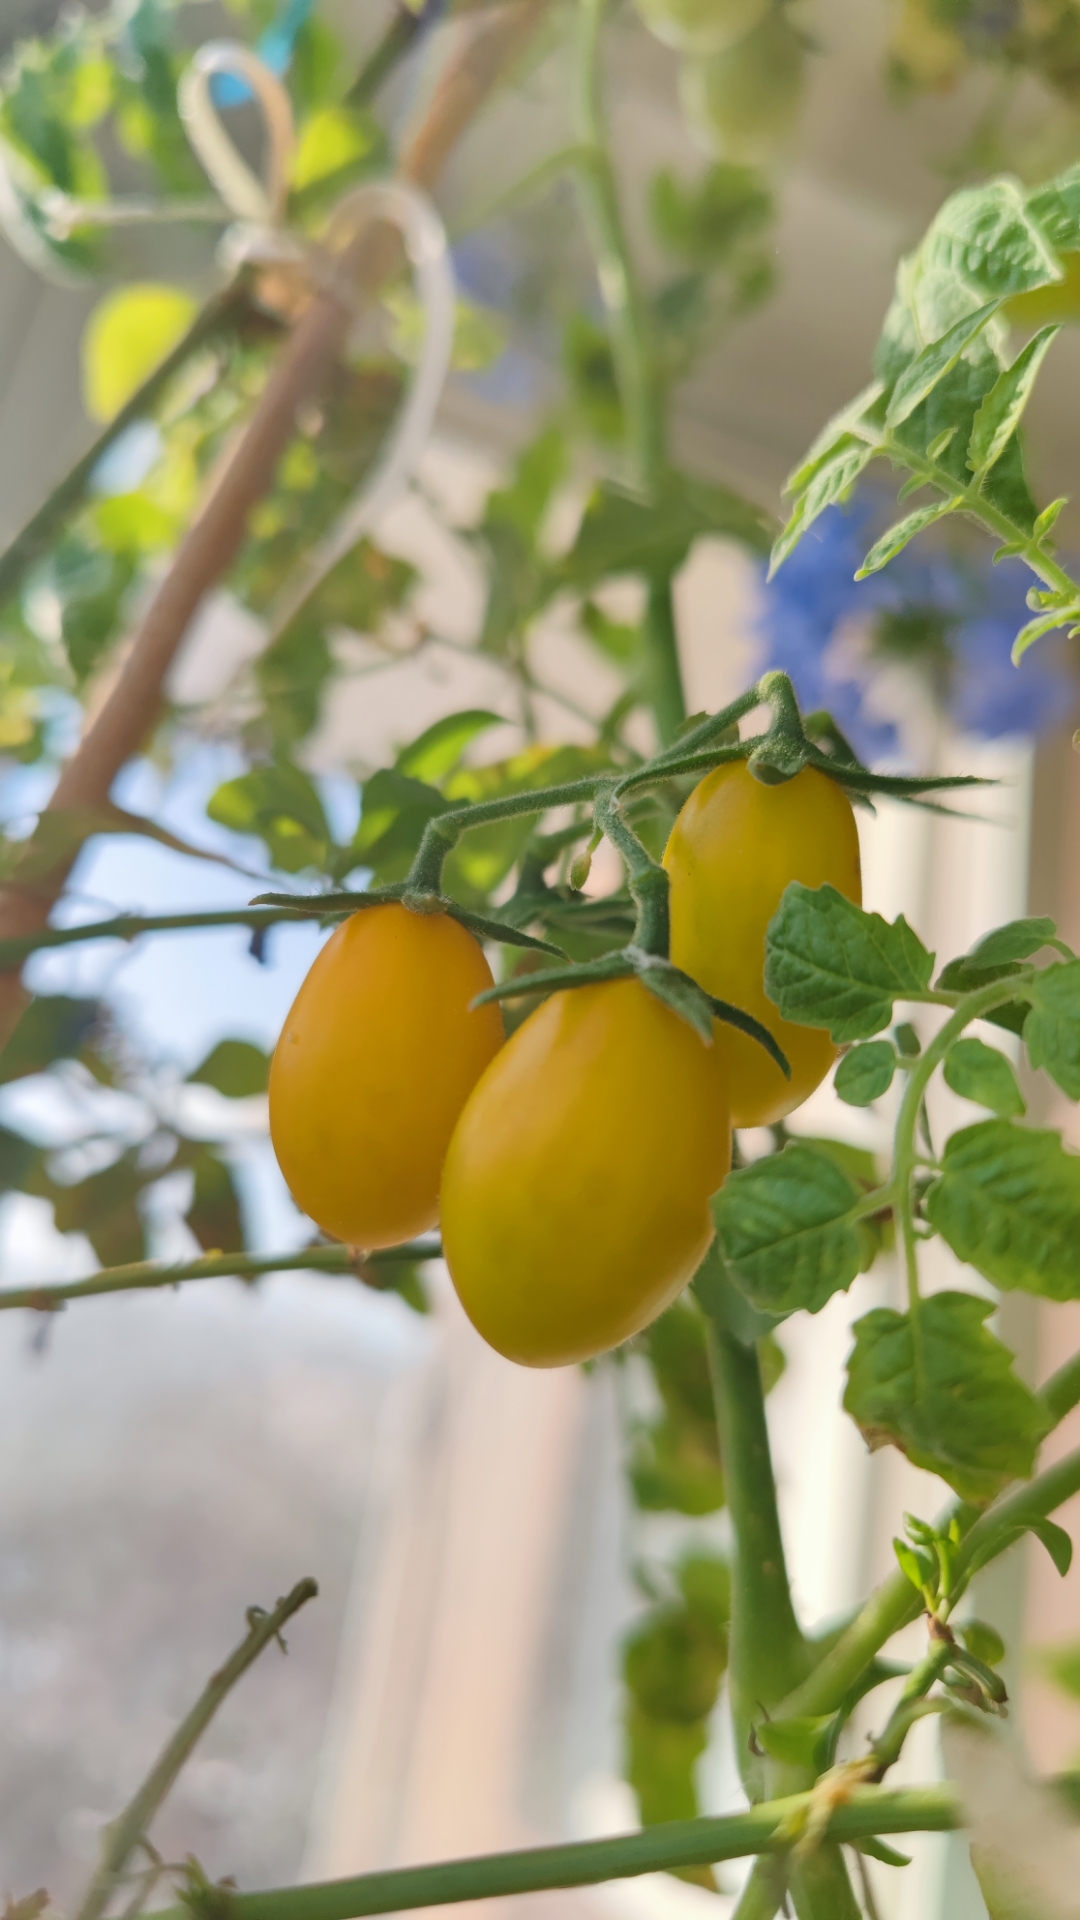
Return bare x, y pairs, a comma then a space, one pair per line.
646, 878
768, 1651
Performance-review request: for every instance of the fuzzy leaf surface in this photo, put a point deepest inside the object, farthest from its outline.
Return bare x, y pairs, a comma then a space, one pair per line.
786, 1229
1008, 1202
866, 1072
829, 964
968, 1418
1052, 1028
980, 1073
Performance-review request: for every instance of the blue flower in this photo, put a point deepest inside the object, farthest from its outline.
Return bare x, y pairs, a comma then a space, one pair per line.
944, 609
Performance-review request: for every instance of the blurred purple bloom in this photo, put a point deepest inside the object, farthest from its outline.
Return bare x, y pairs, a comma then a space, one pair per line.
952, 614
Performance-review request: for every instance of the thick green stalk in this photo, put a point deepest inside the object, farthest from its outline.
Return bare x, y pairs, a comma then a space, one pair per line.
820, 1886
663, 673
143, 1275
678, 1843
768, 1652
633, 347
1061, 1393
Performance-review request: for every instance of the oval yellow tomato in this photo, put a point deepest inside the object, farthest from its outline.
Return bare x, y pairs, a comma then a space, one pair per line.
378, 1056
576, 1189
733, 849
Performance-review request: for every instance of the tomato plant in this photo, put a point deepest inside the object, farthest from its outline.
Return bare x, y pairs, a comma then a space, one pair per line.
590, 1199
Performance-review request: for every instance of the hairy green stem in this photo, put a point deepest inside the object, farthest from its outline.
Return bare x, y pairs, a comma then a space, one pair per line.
141, 1275
129, 926
677, 1843
443, 832
125, 1834
646, 878
905, 1155
768, 1653
221, 314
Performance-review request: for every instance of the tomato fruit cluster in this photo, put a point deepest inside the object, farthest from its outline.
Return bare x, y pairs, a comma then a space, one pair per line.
572, 1166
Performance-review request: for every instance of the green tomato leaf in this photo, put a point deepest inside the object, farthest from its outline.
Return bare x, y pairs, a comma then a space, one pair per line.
1052, 1028
934, 362
396, 809
1055, 208
957, 1409
842, 426
866, 1073
896, 538
980, 1073
1000, 413
332, 138
1057, 1542
54, 1027
623, 532
282, 806
786, 1228
830, 481
829, 964
1008, 1202
214, 1214
438, 750
20, 1160
1016, 941
984, 1642
105, 1209
673, 1664
235, 1068
983, 243
704, 222
130, 332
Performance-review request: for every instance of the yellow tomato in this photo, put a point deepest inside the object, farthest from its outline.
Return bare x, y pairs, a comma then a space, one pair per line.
733, 849
575, 1194
376, 1060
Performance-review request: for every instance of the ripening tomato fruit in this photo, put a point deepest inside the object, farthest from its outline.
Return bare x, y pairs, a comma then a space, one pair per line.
376, 1059
576, 1189
742, 103
733, 849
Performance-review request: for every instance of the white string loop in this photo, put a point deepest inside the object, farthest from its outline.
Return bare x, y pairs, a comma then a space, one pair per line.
259, 234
